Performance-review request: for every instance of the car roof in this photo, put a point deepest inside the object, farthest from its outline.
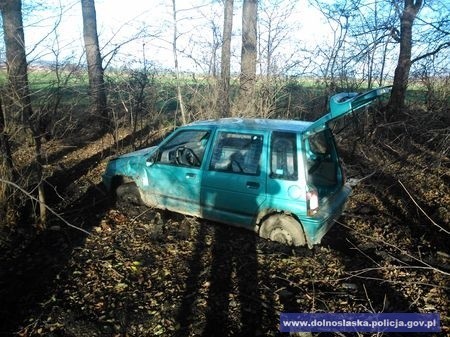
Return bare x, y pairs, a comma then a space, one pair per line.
254, 124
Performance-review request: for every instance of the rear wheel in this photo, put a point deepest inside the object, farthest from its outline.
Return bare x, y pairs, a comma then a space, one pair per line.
128, 193
284, 229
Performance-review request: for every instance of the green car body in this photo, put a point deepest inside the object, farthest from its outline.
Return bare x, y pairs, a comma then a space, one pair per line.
279, 178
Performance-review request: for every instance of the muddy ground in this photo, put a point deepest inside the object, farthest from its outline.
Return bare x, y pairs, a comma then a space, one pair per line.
145, 272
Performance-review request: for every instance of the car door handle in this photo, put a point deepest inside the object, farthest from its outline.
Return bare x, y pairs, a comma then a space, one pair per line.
252, 184
190, 175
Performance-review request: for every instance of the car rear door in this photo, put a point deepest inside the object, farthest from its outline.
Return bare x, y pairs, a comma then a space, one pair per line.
234, 181
344, 104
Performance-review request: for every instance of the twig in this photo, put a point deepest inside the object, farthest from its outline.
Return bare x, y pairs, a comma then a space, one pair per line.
47, 207
353, 181
361, 252
395, 247
420, 208
141, 214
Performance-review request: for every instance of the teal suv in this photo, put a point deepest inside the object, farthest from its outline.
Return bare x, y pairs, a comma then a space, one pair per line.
279, 178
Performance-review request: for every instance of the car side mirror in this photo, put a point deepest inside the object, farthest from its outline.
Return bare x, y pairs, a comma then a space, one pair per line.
152, 159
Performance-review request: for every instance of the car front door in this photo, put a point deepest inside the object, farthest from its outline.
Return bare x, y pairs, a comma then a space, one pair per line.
234, 181
174, 173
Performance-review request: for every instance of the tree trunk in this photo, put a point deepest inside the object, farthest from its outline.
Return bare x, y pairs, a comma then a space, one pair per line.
177, 69
7, 170
18, 99
401, 76
226, 59
5, 148
94, 62
248, 53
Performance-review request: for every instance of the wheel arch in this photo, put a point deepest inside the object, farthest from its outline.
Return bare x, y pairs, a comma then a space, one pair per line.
267, 213
118, 180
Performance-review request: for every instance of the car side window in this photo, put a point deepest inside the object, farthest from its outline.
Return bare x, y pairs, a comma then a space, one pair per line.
319, 144
237, 152
283, 157
187, 148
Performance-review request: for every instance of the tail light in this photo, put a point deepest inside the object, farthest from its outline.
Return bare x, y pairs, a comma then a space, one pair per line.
312, 201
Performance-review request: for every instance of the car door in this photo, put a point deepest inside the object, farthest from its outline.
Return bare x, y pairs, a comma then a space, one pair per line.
234, 181
174, 174
343, 104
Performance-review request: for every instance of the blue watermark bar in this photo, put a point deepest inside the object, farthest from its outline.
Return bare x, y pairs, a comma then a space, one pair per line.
359, 322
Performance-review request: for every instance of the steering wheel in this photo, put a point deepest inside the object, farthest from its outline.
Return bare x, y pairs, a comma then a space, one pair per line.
235, 164
185, 156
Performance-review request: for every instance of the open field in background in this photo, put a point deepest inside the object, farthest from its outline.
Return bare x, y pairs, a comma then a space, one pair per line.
150, 273
61, 97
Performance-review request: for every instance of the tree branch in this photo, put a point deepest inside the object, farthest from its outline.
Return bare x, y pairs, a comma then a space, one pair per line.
431, 53
47, 207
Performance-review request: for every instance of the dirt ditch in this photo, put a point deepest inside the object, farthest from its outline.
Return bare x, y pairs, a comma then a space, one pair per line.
144, 272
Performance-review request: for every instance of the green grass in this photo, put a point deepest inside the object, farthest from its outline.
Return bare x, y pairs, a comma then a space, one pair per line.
291, 93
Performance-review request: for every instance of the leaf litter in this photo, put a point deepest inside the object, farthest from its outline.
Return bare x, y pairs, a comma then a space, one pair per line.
146, 272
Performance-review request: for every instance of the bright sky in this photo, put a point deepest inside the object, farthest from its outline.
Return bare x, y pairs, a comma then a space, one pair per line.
119, 21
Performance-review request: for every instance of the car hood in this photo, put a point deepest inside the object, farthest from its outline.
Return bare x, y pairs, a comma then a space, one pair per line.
139, 153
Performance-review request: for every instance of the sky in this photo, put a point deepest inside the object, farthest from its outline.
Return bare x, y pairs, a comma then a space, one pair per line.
119, 21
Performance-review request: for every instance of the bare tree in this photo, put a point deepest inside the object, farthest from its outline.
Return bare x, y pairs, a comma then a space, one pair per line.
249, 50
175, 58
17, 99
274, 31
94, 60
404, 37
226, 59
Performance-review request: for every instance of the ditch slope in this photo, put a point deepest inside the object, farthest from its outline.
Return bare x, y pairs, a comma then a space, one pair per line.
144, 272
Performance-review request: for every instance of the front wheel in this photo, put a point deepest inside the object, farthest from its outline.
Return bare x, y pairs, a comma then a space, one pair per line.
284, 229
128, 193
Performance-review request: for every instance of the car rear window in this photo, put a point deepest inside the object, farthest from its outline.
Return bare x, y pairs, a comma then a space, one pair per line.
283, 162
237, 152
321, 162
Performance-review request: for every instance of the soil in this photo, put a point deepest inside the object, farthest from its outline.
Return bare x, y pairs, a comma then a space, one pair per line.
145, 272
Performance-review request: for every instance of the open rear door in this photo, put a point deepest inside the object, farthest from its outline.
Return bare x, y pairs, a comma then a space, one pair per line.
345, 103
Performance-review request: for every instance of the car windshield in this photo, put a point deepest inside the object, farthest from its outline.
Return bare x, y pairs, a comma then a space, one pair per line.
189, 136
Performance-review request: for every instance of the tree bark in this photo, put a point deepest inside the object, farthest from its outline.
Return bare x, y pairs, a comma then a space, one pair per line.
226, 59
249, 52
401, 76
5, 149
94, 61
177, 69
18, 99
7, 171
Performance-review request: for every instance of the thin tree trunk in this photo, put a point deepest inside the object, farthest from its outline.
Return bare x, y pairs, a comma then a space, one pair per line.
177, 70
401, 76
226, 59
94, 62
18, 99
248, 53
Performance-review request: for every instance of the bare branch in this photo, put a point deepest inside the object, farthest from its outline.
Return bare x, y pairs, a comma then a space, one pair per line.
420, 208
433, 52
46, 206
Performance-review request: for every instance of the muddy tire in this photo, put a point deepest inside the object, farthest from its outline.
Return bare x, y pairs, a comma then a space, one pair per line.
128, 194
284, 229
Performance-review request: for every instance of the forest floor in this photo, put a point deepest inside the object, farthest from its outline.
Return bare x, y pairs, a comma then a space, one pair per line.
144, 272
